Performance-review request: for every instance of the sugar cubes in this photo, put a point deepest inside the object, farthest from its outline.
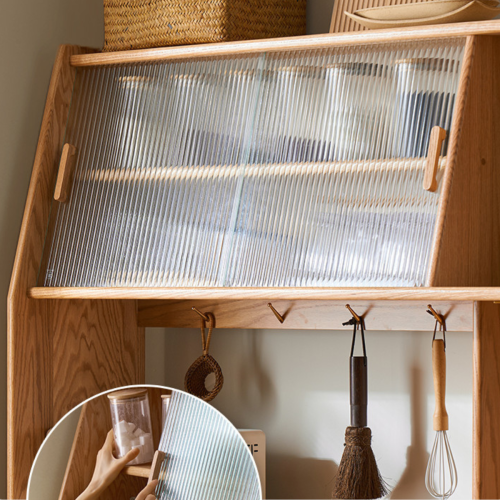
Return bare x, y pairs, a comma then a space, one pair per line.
128, 436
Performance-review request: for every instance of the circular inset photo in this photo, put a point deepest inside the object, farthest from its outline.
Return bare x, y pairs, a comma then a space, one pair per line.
147, 443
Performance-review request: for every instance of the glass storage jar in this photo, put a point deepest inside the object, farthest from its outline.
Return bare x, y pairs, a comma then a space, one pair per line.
425, 97
131, 420
358, 100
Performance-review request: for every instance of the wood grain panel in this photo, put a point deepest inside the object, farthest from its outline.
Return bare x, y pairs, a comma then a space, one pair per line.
455, 138
96, 346
94, 424
29, 344
305, 314
293, 43
486, 392
53, 348
406, 293
468, 253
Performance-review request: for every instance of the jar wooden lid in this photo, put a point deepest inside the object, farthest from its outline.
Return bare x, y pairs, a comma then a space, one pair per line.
127, 394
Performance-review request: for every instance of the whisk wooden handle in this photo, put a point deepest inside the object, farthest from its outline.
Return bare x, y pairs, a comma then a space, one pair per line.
439, 372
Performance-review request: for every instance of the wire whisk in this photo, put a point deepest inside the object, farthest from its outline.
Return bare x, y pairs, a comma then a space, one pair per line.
441, 475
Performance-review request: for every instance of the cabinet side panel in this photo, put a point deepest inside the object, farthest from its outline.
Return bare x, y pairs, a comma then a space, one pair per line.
467, 253
29, 398
486, 426
96, 346
59, 353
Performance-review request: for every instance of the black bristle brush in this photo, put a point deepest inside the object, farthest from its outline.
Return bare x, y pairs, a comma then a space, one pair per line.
358, 475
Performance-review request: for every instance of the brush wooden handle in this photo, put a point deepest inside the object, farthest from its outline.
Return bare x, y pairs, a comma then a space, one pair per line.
439, 372
359, 391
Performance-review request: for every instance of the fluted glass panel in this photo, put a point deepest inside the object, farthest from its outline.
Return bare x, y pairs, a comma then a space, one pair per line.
299, 168
205, 456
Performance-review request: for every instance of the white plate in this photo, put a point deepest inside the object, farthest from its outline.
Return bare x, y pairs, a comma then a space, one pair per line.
472, 11
420, 10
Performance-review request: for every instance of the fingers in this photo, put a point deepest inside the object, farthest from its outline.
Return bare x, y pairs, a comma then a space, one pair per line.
133, 453
109, 440
148, 492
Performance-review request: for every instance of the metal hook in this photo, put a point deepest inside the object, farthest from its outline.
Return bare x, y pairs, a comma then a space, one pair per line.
354, 315
438, 317
442, 324
203, 316
281, 319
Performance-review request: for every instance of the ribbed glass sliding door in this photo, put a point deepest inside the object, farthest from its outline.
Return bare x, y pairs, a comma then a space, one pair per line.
296, 168
205, 456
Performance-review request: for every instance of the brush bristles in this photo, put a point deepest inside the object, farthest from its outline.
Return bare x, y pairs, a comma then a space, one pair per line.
358, 475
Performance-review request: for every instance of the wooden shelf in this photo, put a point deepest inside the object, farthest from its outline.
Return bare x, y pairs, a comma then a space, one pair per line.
220, 172
134, 293
291, 43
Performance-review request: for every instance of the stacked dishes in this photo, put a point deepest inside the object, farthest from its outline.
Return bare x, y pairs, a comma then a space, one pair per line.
426, 13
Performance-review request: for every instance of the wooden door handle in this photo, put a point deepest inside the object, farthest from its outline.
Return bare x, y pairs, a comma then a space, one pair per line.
65, 173
156, 465
438, 135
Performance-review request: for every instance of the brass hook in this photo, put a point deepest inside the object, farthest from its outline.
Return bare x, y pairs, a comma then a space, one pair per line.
354, 315
203, 316
281, 319
438, 317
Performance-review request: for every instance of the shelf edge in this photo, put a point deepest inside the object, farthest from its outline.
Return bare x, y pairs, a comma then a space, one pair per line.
407, 293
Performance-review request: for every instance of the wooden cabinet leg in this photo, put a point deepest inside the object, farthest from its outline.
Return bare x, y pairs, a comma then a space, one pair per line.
486, 400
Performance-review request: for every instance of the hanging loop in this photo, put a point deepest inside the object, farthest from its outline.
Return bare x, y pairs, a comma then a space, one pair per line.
439, 321
196, 376
205, 340
356, 327
442, 327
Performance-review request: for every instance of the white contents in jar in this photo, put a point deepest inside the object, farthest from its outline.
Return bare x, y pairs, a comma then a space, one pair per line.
129, 436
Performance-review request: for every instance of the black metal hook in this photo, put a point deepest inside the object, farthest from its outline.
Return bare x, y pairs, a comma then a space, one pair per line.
357, 322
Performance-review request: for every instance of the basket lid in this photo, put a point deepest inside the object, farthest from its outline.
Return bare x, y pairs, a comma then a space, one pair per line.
127, 394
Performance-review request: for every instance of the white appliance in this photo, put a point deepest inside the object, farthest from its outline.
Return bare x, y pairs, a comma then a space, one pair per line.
256, 442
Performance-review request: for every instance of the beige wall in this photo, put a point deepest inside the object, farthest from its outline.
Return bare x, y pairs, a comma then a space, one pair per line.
294, 386
30, 32
50, 463
291, 384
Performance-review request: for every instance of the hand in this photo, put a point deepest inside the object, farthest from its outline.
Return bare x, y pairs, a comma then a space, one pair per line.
107, 468
148, 492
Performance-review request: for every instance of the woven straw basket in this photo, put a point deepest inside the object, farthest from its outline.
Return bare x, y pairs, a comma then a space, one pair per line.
139, 24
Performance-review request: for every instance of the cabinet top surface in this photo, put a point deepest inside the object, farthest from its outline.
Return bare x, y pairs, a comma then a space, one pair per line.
290, 43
